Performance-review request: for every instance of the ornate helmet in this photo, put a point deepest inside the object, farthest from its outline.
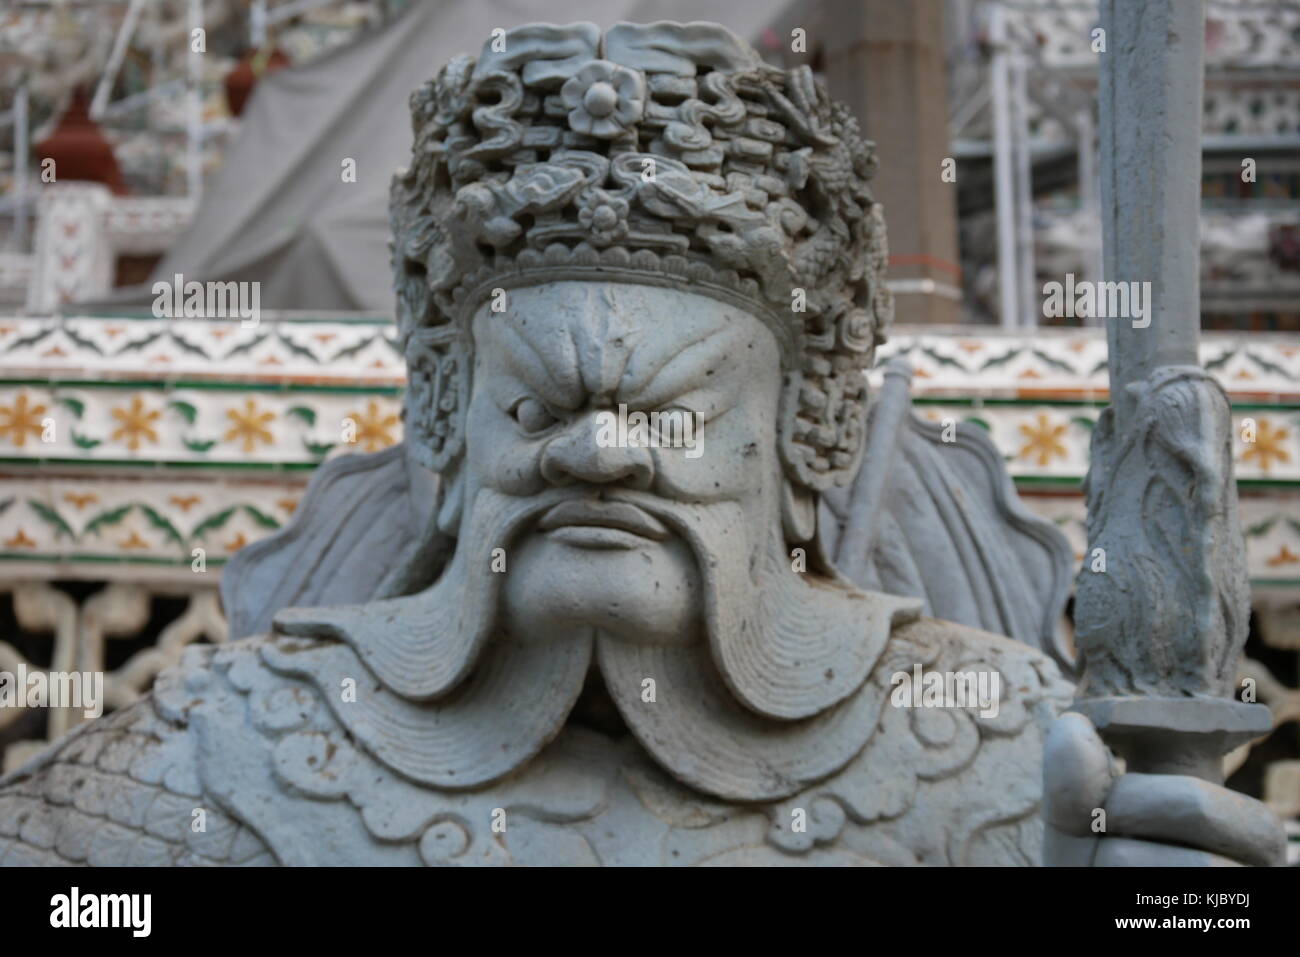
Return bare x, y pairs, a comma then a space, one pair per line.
667, 154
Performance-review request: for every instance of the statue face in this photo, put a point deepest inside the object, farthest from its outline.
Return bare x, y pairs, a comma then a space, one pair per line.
633, 556
557, 367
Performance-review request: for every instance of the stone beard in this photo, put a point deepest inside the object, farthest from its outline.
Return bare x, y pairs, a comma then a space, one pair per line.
658, 566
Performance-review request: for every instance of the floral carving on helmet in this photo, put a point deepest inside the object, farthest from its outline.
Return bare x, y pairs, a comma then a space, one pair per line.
451, 91
604, 99
604, 215
856, 330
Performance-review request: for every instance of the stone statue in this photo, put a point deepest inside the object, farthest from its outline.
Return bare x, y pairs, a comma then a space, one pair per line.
569, 650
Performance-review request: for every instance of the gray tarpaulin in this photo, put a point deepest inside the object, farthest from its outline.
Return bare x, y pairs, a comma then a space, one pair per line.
278, 210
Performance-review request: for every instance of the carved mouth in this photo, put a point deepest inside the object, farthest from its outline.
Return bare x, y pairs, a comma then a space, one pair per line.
598, 523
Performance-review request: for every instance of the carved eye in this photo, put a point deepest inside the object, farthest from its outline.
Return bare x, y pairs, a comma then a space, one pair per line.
532, 416
676, 426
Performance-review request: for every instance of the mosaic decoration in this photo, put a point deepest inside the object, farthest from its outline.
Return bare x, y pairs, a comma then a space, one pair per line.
1046, 441
203, 432
274, 350
253, 428
1241, 37
149, 521
1071, 364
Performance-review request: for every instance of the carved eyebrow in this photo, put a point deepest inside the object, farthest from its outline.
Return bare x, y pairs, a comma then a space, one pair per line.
530, 365
671, 377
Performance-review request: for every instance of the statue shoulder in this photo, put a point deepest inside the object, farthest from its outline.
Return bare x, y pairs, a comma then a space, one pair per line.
199, 771
952, 774
1006, 687
122, 790
952, 646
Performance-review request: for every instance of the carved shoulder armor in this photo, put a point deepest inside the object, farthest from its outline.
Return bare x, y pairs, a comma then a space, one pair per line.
230, 762
123, 790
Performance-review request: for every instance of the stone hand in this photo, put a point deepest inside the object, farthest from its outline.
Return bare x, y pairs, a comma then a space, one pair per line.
1097, 816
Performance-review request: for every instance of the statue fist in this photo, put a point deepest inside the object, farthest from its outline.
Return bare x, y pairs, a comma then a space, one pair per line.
1096, 816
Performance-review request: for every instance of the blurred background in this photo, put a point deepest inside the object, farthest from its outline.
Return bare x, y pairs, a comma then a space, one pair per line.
137, 454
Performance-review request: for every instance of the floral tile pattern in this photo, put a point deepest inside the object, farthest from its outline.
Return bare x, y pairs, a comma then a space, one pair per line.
203, 433
152, 521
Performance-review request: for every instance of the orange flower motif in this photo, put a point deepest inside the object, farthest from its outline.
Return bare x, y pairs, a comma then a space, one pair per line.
1284, 557
250, 426
1042, 439
1267, 446
137, 423
20, 541
374, 429
19, 419
133, 541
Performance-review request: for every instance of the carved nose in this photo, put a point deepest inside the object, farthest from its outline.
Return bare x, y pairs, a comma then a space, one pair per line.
575, 455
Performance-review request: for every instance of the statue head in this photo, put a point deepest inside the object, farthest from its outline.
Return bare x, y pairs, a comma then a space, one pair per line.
595, 227
666, 155
582, 210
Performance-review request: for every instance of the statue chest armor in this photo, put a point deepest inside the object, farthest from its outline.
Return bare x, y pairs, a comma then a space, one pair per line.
932, 786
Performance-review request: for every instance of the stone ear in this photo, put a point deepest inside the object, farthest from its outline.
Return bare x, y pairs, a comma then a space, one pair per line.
798, 512
452, 507
437, 393
821, 427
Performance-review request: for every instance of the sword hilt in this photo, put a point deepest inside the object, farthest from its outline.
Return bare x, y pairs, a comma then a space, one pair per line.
1162, 735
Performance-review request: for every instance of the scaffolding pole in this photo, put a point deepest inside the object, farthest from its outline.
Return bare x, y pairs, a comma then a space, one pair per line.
22, 148
194, 124
1024, 192
120, 46
1089, 212
1004, 187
